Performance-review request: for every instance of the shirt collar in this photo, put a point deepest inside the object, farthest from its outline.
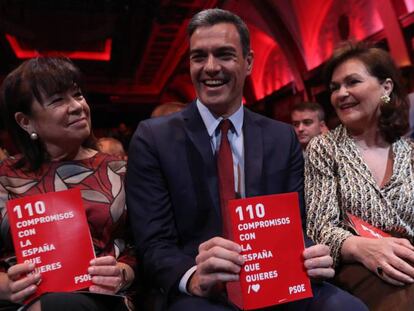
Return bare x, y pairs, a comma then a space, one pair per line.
211, 122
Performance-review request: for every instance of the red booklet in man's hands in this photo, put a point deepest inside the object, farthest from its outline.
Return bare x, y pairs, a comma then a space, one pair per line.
270, 232
51, 231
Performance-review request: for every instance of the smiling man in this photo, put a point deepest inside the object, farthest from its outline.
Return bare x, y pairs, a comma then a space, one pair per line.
184, 167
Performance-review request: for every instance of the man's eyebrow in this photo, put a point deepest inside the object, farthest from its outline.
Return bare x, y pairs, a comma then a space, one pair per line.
219, 49
196, 51
226, 48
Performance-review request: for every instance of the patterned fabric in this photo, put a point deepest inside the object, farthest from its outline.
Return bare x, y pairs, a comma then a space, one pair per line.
100, 179
337, 181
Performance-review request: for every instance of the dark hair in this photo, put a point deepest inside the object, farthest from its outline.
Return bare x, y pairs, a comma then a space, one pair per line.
393, 121
211, 17
27, 83
303, 106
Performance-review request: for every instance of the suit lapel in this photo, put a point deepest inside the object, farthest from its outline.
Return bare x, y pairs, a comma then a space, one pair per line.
253, 155
197, 133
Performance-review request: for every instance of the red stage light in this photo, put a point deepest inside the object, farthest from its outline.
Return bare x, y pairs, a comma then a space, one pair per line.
24, 53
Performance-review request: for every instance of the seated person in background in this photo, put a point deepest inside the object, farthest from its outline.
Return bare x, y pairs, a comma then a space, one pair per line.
173, 193
365, 167
308, 120
49, 120
3, 154
111, 146
166, 109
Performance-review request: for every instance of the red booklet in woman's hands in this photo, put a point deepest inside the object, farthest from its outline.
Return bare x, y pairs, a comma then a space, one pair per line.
364, 229
51, 230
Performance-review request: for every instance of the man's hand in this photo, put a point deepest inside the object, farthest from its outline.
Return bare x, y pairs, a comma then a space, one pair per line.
106, 275
318, 262
218, 261
20, 282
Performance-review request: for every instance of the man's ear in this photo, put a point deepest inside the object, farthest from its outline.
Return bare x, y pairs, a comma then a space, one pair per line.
249, 60
24, 122
324, 128
388, 86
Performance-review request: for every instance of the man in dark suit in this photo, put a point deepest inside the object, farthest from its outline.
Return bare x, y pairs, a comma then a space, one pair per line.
173, 194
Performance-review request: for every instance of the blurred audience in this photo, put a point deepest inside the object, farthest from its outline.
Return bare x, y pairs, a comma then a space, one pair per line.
308, 120
3, 153
167, 108
112, 146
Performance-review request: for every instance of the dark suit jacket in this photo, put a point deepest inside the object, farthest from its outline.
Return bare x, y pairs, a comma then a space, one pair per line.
172, 192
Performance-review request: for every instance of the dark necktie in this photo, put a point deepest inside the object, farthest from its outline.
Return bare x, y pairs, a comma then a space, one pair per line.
225, 175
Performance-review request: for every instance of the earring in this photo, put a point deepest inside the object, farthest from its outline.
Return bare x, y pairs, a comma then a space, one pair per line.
385, 99
34, 136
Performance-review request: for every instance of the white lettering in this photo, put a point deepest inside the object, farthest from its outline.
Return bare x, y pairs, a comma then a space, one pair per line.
300, 288
82, 278
38, 250
262, 276
264, 254
27, 232
247, 236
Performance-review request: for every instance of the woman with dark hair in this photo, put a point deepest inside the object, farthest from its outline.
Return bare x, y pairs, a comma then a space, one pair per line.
364, 169
49, 120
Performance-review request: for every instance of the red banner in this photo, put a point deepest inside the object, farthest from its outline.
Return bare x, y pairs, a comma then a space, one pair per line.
270, 232
51, 231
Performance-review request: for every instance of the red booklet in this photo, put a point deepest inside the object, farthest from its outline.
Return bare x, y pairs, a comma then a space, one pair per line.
51, 231
364, 229
270, 232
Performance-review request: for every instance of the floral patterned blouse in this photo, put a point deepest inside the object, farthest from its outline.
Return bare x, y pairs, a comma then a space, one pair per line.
100, 179
337, 181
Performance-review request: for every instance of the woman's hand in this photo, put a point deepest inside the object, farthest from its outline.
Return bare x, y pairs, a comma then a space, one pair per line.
18, 284
392, 259
108, 275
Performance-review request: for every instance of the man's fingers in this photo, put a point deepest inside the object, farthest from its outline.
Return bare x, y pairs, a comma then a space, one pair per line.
219, 261
104, 270
103, 261
220, 252
16, 271
22, 284
22, 294
107, 281
101, 289
318, 250
214, 264
321, 273
219, 241
209, 280
319, 262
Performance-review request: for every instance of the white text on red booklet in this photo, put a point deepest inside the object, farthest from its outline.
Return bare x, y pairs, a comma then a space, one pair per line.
270, 232
51, 231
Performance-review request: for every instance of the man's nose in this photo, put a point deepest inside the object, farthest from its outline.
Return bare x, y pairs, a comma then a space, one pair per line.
212, 66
